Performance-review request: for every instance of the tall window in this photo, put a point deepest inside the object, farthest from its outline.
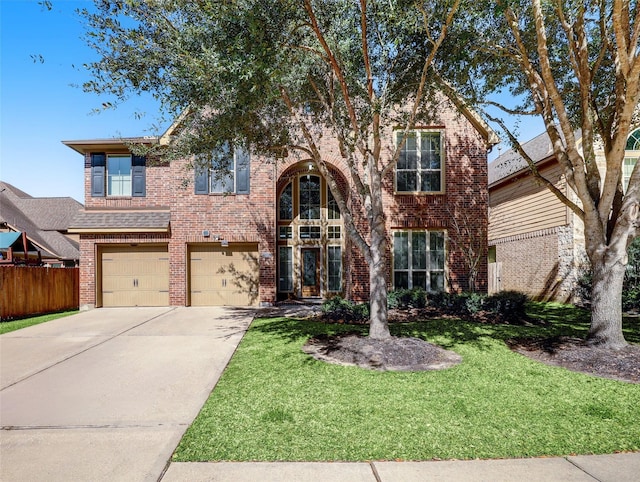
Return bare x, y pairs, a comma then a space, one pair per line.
285, 268
420, 165
286, 202
333, 211
334, 268
119, 175
309, 197
418, 260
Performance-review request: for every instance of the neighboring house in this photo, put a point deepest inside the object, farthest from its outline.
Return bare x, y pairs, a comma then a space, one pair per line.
44, 221
160, 233
536, 243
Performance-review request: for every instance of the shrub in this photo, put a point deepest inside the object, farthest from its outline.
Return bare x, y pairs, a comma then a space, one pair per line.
403, 299
337, 308
474, 302
509, 305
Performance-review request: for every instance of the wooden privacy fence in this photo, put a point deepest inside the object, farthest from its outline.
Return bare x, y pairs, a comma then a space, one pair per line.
495, 277
31, 290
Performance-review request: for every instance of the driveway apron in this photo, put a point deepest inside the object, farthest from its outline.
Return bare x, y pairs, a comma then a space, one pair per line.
107, 394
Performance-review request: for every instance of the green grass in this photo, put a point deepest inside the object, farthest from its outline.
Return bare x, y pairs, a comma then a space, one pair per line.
274, 402
7, 326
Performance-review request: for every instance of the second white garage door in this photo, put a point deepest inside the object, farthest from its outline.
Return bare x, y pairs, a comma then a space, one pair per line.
224, 276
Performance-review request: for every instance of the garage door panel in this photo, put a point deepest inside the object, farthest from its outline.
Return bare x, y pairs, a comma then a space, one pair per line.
224, 275
135, 276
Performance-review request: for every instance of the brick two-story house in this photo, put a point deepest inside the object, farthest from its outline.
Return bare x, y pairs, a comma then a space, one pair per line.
163, 233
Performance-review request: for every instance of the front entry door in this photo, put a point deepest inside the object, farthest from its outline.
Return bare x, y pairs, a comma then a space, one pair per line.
310, 272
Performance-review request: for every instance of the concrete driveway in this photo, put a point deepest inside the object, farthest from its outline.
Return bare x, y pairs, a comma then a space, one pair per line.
107, 394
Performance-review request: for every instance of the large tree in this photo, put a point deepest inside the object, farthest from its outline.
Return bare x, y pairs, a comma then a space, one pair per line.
575, 63
278, 75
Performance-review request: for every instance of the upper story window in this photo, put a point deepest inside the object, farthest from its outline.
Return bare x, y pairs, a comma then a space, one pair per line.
333, 211
633, 142
118, 175
309, 197
631, 158
420, 166
227, 171
286, 203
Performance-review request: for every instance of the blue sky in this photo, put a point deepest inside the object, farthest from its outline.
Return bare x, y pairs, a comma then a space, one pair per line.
40, 107
41, 103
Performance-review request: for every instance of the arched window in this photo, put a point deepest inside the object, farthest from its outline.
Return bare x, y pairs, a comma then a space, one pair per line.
309, 197
286, 203
633, 142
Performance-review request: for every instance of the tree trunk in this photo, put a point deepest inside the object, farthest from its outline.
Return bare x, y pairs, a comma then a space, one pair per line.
379, 325
606, 304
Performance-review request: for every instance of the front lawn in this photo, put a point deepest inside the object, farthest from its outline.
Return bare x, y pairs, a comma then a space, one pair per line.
7, 326
274, 402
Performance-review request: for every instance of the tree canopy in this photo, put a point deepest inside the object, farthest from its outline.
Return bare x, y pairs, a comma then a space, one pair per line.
576, 64
278, 75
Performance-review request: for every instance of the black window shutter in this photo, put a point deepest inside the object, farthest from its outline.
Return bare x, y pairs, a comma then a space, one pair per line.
242, 171
138, 176
201, 179
98, 171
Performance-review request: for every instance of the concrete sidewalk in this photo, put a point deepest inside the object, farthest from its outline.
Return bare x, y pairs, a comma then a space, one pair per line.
106, 395
603, 468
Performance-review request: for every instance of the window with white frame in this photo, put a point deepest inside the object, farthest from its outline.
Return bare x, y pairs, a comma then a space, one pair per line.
420, 166
419, 260
309, 197
334, 268
285, 268
119, 175
225, 171
333, 211
631, 157
285, 203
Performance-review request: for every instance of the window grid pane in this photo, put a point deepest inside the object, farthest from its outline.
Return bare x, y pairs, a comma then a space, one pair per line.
286, 202
420, 169
333, 211
333, 232
286, 232
119, 175
310, 197
419, 260
334, 268
285, 256
309, 232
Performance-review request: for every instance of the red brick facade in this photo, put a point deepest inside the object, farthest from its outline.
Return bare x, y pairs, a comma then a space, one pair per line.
252, 218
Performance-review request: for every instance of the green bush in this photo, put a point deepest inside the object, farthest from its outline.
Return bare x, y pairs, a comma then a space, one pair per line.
403, 299
337, 308
509, 305
474, 302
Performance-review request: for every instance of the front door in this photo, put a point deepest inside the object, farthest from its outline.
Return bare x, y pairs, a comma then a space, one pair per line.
310, 272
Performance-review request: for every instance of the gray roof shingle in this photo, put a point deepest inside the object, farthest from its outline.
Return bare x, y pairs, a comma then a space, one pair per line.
43, 219
132, 220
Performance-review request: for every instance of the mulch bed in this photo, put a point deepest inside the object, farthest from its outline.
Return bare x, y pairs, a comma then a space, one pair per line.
395, 353
575, 355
